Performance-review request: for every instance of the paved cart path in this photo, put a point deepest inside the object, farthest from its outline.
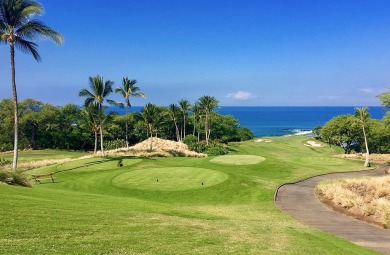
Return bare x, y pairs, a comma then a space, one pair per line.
299, 201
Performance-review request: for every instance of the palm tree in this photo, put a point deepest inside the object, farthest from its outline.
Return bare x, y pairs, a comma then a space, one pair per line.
92, 118
99, 91
363, 116
128, 90
19, 28
184, 107
150, 115
173, 112
207, 104
197, 116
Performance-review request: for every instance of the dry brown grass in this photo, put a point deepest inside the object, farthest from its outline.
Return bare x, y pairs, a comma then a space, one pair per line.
24, 166
376, 158
369, 196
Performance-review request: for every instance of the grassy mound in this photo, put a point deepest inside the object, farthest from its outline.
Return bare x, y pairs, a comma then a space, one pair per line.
238, 159
170, 178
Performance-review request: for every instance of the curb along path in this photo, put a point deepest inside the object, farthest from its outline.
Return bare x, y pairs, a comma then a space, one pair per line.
299, 201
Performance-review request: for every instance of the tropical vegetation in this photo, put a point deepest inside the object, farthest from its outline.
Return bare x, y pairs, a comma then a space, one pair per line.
19, 28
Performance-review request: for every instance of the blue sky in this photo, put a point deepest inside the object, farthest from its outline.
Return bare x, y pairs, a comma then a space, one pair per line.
266, 53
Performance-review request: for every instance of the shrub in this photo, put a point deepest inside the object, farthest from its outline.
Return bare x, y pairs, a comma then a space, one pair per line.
14, 178
115, 144
190, 139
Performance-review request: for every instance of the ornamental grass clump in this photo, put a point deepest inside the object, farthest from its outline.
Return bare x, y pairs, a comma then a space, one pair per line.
14, 178
368, 196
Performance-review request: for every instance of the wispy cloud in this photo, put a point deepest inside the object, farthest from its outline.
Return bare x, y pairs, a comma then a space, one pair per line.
366, 90
329, 97
241, 95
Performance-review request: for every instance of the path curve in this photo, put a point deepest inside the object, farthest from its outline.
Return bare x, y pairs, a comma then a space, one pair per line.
299, 201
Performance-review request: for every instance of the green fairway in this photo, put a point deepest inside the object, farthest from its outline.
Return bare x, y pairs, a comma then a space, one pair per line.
97, 207
238, 159
170, 179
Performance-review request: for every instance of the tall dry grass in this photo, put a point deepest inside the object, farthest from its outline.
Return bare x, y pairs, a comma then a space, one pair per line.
24, 166
368, 196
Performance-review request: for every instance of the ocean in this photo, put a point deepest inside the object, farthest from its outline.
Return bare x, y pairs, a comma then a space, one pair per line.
281, 120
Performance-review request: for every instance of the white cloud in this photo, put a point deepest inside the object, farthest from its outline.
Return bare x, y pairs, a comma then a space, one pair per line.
241, 95
366, 90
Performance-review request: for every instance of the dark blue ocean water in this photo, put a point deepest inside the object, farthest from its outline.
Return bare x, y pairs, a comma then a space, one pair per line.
281, 120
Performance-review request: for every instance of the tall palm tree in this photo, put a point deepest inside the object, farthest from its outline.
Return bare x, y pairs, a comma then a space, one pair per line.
173, 112
92, 118
363, 116
207, 104
184, 107
198, 117
99, 91
19, 28
128, 90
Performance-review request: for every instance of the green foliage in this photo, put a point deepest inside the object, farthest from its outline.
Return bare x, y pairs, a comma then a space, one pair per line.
115, 144
343, 130
212, 149
244, 134
190, 139
14, 178
385, 98
215, 149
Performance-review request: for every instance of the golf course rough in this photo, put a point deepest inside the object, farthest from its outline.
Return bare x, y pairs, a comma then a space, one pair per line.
170, 178
238, 159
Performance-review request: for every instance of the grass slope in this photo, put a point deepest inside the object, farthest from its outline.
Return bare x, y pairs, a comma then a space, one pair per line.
95, 208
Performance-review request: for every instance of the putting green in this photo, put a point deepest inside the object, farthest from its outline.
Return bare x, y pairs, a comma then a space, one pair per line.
170, 178
238, 159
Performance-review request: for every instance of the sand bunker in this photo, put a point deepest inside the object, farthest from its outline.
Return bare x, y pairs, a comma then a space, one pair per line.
262, 140
313, 144
238, 159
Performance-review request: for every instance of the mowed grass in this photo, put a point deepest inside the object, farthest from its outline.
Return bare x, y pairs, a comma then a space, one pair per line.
95, 207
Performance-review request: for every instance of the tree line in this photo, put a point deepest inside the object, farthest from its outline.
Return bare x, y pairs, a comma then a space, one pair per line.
358, 132
72, 127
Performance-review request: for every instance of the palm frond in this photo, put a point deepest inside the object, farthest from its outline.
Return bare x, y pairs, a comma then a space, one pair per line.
112, 102
28, 47
85, 92
35, 29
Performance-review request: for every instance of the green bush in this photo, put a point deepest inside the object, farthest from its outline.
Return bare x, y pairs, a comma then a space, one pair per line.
14, 178
215, 149
190, 139
115, 144
212, 149
4, 162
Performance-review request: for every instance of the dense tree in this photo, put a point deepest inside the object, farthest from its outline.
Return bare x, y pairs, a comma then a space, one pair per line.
19, 28
342, 130
99, 91
385, 98
363, 116
128, 90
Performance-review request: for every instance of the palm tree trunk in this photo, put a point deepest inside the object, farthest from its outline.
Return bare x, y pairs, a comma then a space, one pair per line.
96, 141
127, 120
366, 163
16, 117
101, 129
184, 126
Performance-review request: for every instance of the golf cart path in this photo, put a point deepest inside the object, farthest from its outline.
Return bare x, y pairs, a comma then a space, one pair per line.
299, 201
